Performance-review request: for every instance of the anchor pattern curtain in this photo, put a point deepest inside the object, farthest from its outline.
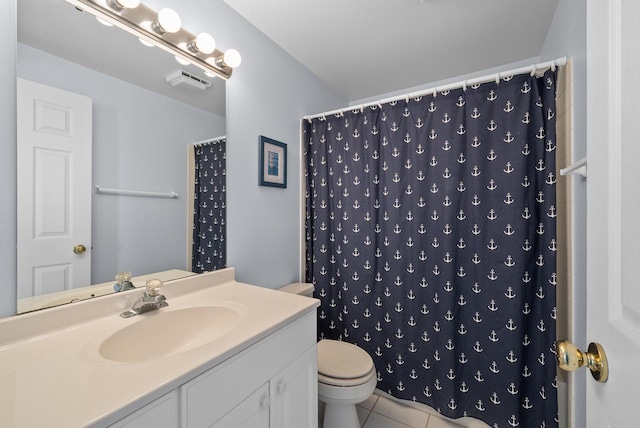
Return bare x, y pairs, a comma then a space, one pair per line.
209, 225
430, 238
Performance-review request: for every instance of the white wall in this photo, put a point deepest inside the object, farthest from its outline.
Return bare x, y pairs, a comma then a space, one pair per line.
451, 80
568, 37
144, 137
7, 157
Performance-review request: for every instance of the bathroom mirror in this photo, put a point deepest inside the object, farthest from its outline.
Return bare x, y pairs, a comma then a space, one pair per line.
141, 129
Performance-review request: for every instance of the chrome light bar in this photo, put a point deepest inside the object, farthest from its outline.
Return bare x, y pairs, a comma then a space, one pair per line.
141, 21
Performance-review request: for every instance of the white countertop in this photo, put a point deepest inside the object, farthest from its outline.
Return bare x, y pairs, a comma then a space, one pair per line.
52, 375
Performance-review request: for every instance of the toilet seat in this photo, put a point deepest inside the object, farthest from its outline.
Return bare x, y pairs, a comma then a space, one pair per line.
346, 382
343, 364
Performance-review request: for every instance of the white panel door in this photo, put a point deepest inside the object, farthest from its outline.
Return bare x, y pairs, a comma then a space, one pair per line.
613, 204
54, 189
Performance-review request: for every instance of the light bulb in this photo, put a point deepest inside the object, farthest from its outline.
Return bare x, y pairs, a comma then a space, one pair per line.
232, 58
144, 42
168, 21
103, 22
182, 61
129, 4
202, 43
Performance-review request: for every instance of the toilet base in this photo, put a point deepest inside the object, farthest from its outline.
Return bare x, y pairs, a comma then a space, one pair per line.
340, 402
340, 415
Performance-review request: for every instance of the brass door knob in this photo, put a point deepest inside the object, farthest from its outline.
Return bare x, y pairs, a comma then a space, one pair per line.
80, 249
570, 358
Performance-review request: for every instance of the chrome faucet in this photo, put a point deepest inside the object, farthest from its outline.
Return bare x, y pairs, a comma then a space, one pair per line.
123, 282
151, 300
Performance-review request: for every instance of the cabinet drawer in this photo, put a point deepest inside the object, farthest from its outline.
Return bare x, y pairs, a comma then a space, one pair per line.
208, 397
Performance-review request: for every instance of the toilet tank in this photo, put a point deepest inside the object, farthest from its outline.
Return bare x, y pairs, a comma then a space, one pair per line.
301, 288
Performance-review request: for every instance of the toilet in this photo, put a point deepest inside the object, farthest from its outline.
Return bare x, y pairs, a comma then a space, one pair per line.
346, 374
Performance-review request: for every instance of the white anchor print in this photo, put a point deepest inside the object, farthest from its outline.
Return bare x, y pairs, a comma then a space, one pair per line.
376, 175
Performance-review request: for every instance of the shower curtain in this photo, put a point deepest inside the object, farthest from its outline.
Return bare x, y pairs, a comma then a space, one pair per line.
209, 208
430, 238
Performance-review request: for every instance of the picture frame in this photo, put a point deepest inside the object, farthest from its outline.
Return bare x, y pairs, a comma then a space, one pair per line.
273, 163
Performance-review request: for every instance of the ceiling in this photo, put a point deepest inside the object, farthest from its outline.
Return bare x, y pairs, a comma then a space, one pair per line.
360, 48
57, 27
366, 48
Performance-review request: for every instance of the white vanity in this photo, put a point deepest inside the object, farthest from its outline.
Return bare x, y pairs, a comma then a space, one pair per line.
222, 354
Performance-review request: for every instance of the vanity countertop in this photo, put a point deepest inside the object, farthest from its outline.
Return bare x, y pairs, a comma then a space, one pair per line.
51, 372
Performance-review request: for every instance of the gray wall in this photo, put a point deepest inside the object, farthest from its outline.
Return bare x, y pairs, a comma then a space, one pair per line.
140, 142
568, 37
8, 157
267, 95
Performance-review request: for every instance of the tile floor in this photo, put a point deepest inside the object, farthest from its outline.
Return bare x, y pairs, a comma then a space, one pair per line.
381, 412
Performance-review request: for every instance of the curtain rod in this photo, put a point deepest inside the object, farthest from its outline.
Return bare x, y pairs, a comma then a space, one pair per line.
461, 84
211, 140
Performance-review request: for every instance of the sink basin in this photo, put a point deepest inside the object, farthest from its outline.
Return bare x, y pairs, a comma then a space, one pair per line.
163, 333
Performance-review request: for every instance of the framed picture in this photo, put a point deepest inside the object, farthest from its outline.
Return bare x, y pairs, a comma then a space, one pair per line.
273, 163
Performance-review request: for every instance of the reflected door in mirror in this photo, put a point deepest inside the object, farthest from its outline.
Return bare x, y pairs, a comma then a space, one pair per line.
54, 189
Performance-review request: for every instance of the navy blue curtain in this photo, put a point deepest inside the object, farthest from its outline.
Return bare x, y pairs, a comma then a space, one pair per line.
430, 238
209, 224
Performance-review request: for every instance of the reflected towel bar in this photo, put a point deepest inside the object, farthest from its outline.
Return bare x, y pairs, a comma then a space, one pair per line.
123, 192
577, 168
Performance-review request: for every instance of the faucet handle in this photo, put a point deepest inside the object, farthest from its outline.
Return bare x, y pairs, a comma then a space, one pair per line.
123, 277
153, 287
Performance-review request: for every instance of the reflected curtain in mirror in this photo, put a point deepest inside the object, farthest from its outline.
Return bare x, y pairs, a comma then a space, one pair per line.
209, 225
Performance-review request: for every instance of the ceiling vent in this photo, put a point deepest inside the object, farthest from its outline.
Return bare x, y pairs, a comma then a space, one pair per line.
184, 77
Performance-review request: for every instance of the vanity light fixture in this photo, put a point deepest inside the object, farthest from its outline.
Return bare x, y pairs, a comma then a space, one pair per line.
231, 58
103, 22
202, 43
181, 61
168, 21
118, 5
163, 29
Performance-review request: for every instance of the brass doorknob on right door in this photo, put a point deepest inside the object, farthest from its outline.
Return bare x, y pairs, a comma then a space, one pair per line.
570, 358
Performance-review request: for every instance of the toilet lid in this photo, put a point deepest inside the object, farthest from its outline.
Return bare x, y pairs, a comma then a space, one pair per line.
342, 360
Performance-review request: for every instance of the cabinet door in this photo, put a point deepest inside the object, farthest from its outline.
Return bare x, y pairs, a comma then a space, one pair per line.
251, 413
294, 393
161, 413
211, 395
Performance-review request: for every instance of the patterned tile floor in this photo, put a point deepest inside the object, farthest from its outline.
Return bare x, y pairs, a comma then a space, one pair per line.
382, 412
